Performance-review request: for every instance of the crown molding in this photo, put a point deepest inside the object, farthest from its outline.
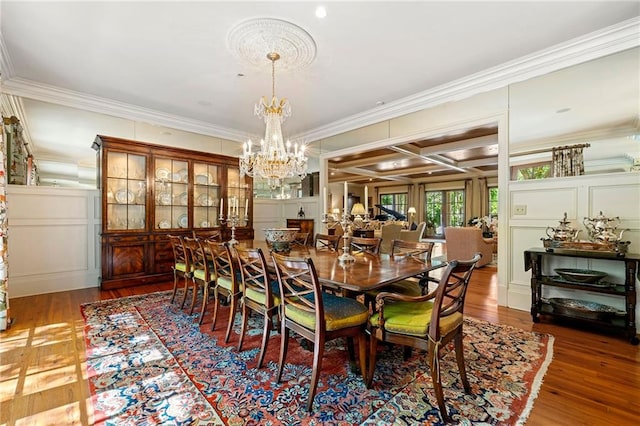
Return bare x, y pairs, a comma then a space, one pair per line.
73, 99
613, 39
6, 67
616, 38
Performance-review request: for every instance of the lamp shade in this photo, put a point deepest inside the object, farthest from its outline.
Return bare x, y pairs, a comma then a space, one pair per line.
412, 210
358, 209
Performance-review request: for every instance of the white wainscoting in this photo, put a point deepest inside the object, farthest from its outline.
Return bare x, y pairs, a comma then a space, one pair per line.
54, 240
273, 213
546, 201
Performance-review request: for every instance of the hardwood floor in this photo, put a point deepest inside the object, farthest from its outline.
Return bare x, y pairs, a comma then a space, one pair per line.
594, 379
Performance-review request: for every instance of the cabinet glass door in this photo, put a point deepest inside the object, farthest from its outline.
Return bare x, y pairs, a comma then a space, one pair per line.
238, 195
206, 196
171, 194
126, 191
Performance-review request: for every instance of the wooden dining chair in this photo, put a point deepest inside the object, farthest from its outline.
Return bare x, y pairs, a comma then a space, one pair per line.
260, 293
203, 275
301, 239
208, 235
413, 286
365, 245
426, 322
227, 282
420, 252
181, 266
314, 315
328, 242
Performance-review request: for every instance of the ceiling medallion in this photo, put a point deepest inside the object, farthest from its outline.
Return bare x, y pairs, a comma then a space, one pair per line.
251, 40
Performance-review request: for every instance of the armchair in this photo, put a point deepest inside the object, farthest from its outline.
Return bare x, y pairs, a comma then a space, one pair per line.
464, 242
426, 322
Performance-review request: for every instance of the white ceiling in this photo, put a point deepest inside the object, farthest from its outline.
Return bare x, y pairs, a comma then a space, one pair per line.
167, 62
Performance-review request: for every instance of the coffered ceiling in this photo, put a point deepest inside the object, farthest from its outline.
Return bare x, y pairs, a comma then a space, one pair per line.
169, 64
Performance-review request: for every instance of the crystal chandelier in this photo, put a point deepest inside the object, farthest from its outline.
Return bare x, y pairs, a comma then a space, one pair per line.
276, 160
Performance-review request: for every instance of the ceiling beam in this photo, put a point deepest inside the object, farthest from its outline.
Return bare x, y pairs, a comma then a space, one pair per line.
445, 163
394, 176
367, 160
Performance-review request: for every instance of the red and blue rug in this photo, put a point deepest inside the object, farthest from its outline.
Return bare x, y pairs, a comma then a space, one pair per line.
149, 363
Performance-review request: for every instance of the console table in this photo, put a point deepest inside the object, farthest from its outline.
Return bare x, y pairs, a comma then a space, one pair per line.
624, 322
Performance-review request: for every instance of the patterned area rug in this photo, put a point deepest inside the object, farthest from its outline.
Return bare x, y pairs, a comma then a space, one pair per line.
148, 362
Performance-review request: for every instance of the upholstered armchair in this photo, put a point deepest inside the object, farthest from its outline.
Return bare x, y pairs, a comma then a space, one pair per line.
463, 242
415, 235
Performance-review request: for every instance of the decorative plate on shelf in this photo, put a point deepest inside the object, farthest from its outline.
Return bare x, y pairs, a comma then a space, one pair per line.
580, 275
163, 199
204, 200
124, 196
204, 224
162, 173
204, 179
583, 308
183, 221
183, 199
164, 224
183, 176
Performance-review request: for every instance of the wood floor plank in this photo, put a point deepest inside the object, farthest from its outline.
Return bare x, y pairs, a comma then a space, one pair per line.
594, 379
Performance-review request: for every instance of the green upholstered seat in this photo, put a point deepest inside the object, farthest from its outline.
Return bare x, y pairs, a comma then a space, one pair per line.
414, 318
339, 312
259, 297
179, 266
199, 274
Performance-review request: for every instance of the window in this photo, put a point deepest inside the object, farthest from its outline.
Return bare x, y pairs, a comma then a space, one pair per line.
531, 171
443, 208
396, 202
493, 202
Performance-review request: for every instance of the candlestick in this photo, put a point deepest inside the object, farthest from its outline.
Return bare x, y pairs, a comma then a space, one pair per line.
221, 205
246, 206
228, 206
366, 200
346, 197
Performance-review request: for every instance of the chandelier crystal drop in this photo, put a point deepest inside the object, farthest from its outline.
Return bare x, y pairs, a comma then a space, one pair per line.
276, 158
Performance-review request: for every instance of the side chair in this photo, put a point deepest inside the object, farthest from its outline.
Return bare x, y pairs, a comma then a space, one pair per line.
427, 322
365, 245
181, 266
315, 316
420, 252
413, 286
214, 236
328, 242
203, 275
260, 293
227, 282
301, 239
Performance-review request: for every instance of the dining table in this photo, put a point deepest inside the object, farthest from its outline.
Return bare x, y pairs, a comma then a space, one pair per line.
365, 273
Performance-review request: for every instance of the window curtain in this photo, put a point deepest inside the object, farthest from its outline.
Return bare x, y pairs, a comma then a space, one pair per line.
483, 192
468, 200
567, 161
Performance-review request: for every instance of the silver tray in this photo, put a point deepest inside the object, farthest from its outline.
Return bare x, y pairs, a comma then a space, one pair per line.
583, 308
580, 275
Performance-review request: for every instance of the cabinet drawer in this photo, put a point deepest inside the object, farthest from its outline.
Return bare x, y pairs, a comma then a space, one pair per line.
125, 238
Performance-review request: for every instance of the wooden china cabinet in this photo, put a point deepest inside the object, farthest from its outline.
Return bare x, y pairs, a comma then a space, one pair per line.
151, 191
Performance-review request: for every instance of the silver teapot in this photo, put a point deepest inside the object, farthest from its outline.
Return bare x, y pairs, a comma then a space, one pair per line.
564, 232
603, 229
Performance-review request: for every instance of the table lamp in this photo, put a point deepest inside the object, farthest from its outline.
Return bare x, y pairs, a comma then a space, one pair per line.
412, 212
